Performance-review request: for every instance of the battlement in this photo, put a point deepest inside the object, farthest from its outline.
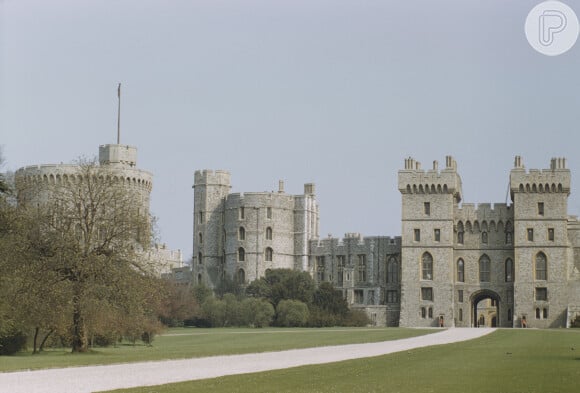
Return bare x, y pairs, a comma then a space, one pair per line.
210, 177
118, 155
556, 179
356, 238
484, 212
414, 180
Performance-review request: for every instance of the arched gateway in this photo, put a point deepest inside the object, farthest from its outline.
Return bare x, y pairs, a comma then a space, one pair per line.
485, 308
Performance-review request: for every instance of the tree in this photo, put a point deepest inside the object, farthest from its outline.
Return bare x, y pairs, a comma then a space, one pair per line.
89, 230
257, 312
283, 284
292, 313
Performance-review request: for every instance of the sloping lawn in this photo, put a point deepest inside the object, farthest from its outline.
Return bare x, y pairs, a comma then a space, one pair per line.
518, 360
190, 343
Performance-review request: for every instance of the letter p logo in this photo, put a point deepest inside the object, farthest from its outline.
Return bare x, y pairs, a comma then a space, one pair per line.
551, 23
552, 28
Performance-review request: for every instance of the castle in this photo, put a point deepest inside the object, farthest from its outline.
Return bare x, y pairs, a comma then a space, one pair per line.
456, 264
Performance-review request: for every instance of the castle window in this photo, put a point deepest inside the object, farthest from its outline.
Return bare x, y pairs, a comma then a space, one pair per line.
427, 294
460, 270
417, 234
242, 233
392, 297
460, 296
551, 234
508, 238
200, 238
268, 233
199, 258
199, 278
437, 235
460, 237
509, 270
427, 207
359, 297
423, 313
530, 234
392, 271
545, 313
268, 212
320, 268
241, 276
241, 254
484, 269
430, 312
537, 313
270, 253
362, 268
200, 218
242, 213
541, 208
371, 297
460, 314
484, 237
541, 294
541, 266
340, 262
427, 267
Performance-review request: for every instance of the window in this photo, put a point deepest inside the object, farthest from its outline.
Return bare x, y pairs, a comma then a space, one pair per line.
530, 234
270, 253
427, 294
541, 266
241, 276
545, 313
392, 297
551, 234
200, 217
268, 233
362, 268
508, 238
460, 314
200, 238
427, 267
437, 235
541, 294
359, 296
268, 212
242, 233
371, 297
427, 207
417, 235
484, 237
460, 237
392, 271
242, 213
241, 254
460, 296
199, 258
537, 313
340, 262
320, 268
484, 269
423, 313
509, 270
430, 312
541, 208
460, 270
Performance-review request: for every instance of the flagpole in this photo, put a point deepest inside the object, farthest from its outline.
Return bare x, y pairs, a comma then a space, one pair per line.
119, 115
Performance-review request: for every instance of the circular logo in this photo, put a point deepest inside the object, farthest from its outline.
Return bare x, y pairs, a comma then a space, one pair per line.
552, 28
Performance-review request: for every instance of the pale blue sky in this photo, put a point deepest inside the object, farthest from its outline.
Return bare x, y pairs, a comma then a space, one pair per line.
333, 92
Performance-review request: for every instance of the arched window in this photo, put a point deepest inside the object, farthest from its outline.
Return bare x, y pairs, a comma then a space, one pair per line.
242, 233
484, 269
200, 238
460, 270
541, 266
537, 313
423, 313
392, 271
509, 270
427, 267
269, 253
545, 313
460, 314
241, 254
430, 312
199, 258
199, 278
460, 232
484, 237
241, 277
268, 233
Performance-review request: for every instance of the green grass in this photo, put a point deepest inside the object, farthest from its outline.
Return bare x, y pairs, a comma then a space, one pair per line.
189, 343
518, 360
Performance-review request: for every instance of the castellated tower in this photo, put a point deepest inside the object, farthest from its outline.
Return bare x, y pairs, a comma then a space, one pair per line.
239, 236
210, 191
541, 244
428, 202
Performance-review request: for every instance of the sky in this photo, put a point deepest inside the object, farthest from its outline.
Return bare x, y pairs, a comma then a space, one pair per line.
334, 92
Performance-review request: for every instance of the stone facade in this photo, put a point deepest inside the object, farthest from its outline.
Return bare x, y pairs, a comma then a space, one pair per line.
455, 262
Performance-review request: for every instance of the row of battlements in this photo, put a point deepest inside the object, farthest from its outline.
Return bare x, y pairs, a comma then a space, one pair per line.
556, 163
484, 211
356, 239
413, 165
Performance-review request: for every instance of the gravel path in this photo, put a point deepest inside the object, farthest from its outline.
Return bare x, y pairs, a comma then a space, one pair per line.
119, 376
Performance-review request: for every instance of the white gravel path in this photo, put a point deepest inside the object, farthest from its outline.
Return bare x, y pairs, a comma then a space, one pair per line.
119, 376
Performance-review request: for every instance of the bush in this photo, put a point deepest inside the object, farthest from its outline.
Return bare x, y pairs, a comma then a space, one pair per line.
323, 318
257, 312
12, 343
214, 312
292, 313
357, 318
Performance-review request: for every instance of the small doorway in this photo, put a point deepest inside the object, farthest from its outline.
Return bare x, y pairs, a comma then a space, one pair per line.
485, 309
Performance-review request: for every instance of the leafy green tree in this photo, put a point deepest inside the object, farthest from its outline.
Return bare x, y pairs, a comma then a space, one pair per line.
257, 312
292, 313
214, 311
233, 311
283, 284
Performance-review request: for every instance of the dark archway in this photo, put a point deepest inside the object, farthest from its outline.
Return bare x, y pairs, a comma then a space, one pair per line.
489, 315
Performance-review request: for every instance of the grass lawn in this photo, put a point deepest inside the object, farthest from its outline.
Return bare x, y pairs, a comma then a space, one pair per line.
188, 343
518, 360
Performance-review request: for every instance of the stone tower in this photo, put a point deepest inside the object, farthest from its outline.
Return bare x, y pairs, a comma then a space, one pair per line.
210, 191
541, 244
429, 199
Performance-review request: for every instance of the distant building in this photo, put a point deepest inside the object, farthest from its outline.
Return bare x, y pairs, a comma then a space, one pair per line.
456, 264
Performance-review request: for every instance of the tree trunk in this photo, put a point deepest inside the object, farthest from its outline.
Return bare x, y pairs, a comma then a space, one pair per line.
45, 339
36, 330
79, 335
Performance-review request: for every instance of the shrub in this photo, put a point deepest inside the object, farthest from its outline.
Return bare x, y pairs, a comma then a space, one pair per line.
292, 313
357, 318
257, 312
323, 318
214, 311
12, 343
